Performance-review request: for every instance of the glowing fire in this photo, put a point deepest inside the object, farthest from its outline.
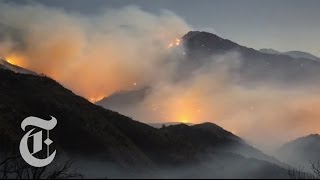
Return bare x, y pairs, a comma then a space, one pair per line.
185, 109
177, 42
184, 120
96, 99
15, 60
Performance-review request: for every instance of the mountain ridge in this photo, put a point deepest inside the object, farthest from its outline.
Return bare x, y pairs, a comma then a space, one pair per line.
293, 54
7, 65
86, 129
301, 151
252, 68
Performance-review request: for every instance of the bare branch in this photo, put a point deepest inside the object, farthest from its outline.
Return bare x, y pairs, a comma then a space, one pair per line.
15, 167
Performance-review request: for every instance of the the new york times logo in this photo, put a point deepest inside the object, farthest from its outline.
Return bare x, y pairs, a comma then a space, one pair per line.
35, 138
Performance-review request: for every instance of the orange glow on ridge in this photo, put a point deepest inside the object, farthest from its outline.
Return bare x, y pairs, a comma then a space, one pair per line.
15, 60
96, 99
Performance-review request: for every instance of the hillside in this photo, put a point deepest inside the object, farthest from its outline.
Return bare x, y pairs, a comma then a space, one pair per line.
255, 66
294, 54
87, 130
301, 152
124, 99
6, 65
209, 137
82, 127
250, 68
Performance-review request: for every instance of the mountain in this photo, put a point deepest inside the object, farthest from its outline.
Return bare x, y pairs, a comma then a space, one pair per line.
166, 124
82, 127
6, 65
212, 138
301, 152
124, 99
300, 54
254, 66
294, 54
86, 131
270, 51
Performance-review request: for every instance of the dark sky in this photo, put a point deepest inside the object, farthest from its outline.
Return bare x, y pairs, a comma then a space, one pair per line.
279, 24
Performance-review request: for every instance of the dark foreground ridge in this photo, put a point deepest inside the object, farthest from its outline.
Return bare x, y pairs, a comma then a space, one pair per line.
90, 131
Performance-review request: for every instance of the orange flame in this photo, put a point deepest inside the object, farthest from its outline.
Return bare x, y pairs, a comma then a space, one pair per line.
15, 60
177, 42
96, 99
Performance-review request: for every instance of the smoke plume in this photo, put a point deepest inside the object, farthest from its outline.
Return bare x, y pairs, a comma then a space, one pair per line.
94, 56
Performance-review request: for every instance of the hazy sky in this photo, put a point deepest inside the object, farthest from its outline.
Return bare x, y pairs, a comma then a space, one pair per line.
280, 24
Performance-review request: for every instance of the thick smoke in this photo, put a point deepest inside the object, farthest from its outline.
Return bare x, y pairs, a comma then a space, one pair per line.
94, 56
125, 49
266, 115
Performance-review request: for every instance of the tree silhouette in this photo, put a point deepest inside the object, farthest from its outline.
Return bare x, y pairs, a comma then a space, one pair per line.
301, 174
14, 167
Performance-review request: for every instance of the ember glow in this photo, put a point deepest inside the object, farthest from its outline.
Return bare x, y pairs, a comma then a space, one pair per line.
184, 120
177, 42
96, 99
15, 60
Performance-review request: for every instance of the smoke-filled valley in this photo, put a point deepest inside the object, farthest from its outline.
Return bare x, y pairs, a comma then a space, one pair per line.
155, 68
